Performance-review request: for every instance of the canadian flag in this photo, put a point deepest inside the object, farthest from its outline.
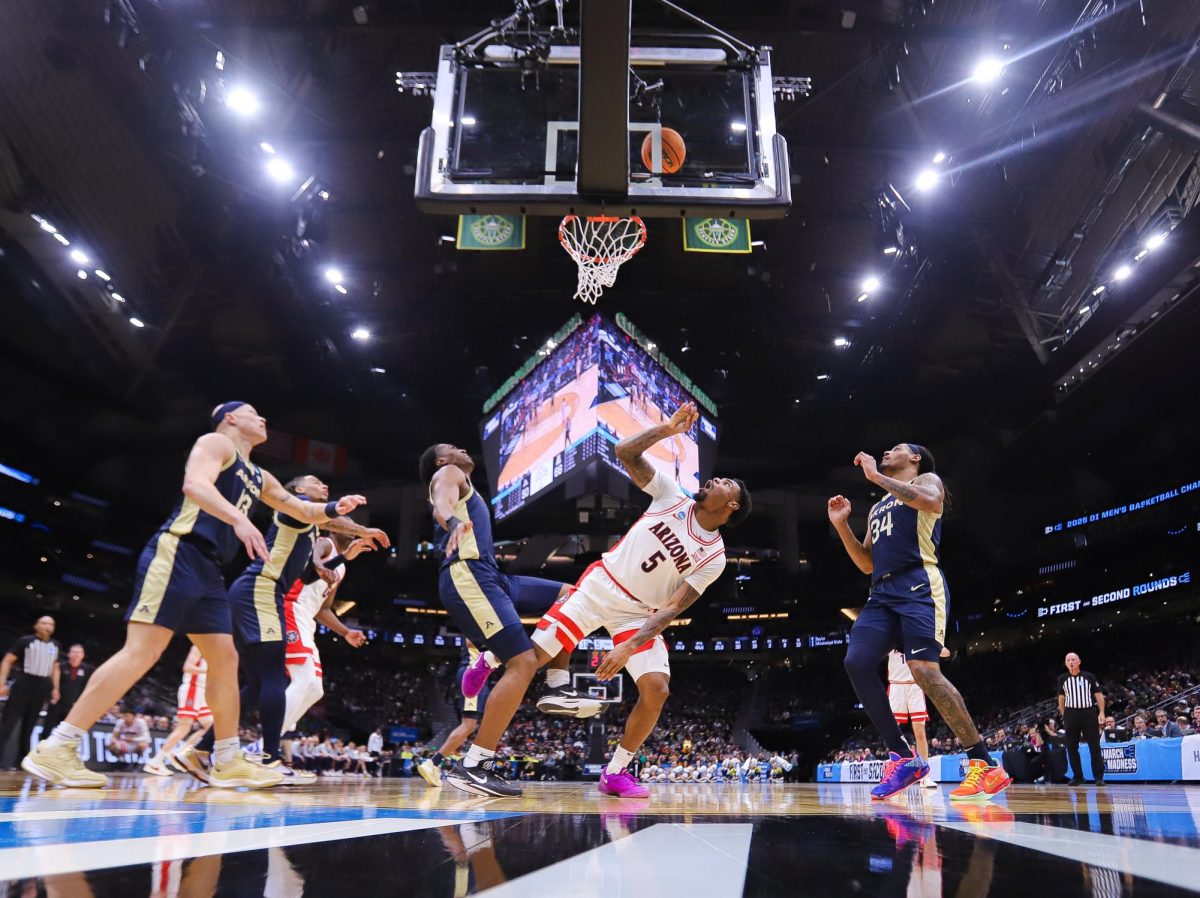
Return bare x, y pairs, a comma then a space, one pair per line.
314, 455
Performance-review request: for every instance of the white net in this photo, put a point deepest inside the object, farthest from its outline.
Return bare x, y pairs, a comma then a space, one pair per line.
599, 245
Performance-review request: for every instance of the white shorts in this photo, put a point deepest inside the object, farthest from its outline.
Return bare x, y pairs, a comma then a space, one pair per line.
598, 602
301, 644
191, 704
908, 702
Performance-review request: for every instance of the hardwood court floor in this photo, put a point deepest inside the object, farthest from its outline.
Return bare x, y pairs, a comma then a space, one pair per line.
152, 837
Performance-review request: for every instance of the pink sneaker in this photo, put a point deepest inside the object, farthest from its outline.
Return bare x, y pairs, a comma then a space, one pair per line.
476, 676
622, 784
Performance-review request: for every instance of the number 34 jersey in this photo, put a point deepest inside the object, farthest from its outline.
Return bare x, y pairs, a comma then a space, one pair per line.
666, 547
904, 549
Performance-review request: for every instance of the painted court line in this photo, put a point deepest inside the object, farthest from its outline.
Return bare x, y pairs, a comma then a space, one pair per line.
91, 813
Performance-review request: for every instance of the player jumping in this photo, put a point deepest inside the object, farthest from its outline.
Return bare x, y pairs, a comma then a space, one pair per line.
908, 606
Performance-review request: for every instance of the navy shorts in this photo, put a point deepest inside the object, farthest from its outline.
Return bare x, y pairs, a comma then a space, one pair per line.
257, 605
917, 625
179, 586
486, 605
470, 707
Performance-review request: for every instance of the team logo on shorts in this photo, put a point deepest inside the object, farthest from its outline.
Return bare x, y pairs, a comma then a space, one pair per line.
492, 230
292, 636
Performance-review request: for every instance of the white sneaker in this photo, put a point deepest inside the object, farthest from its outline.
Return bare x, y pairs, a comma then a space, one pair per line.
156, 767
292, 776
929, 783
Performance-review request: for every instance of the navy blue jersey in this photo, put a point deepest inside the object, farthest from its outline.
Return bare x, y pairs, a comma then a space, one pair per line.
474, 545
241, 483
904, 549
290, 544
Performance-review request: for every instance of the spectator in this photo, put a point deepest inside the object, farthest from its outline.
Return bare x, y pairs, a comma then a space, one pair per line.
1113, 733
375, 742
1166, 728
130, 736
37, 680
1140, 729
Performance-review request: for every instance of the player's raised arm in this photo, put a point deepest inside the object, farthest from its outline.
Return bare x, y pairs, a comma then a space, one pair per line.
925, 493
630, 449
349, 527
208, 457
859, 552
445, 490
274, 495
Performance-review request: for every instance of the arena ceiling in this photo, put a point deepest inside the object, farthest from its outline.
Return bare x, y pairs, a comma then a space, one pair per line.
109, 128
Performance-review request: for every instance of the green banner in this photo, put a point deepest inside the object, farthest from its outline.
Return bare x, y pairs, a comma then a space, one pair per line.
716, 235
491, 232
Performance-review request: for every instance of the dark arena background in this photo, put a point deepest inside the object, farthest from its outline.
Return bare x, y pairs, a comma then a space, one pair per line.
555, 251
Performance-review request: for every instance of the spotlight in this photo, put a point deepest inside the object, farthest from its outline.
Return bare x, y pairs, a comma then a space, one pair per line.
1098, 290
242, 101
333, 275
988, 70
841, 342
118, 297
379, 371
861, 297
267, 148
281, 171
1083, 310
340, 289
61, 239
1122, 273
467, 120
890, 250
46, 226
103, 275
361, 333
822, 377
81, 274
926, 180
737, 126
870, 284
79, 257
1155, 241
137, 322
939, 157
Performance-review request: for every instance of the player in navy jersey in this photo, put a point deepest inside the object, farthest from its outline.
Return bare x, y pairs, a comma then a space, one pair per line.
256, 598
907, 608
470, 709
486, 604
179, 589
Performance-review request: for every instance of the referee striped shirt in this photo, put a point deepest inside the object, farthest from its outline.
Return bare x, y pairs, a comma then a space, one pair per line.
1079, 689
38, 656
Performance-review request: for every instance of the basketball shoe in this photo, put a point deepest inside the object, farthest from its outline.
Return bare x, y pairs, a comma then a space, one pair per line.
476, 676
196, 762
292, 776
622, 784
567, 701
241, 771
482, 780
60, 765
898, 774
157, 768
982, 781
431, 773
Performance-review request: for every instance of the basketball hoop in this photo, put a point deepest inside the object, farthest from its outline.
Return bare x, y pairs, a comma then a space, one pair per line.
599, 244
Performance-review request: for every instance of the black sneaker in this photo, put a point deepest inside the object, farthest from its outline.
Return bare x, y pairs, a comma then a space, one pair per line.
481, 780
1075, 782
566, 701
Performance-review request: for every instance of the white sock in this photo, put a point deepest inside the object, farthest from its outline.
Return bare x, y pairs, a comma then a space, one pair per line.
556, 677
225, 750
64, 734
476, 756
620, 760
491, 660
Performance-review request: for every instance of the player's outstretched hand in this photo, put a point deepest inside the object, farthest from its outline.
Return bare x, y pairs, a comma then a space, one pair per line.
456, 535
325, 573
359, 546
256, 546
614, 662
378, 539
347, 504
839, 510
356, 638
867, 463
683, 419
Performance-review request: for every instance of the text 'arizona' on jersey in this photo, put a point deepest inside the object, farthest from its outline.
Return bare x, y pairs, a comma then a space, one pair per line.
474, 545
904, 549
240, 482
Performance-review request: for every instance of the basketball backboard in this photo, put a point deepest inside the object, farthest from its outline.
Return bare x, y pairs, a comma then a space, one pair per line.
506, 132
607, 691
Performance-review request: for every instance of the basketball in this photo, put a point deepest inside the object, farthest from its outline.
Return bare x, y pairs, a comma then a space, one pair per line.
674, 151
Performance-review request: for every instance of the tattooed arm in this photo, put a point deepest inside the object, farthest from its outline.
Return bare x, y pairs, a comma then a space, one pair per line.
348, 527
630, 449
924, 494
683, 599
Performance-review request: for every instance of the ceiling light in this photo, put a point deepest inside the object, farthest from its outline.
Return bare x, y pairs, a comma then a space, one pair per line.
323, 194
939, 157
468, 120
137, 322
242, 101
988, 70
267, 148
61, 239
1141, 254
1122, 273
870, 284
281, 171
46, 226
737, 126
1098, 290
926, 179
448, 238
333, 275
103, 275
822, 377
118, 297
220, 61
861, 297
81, 274
379, 371
340, 289
890, 250
841, 342
79, 257
1083, 310
1153, 243
360, 333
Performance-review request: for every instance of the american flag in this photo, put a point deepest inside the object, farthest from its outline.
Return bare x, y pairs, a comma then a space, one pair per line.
279, 445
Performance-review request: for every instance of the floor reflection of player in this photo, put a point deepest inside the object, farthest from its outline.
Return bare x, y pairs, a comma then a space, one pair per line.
475, 866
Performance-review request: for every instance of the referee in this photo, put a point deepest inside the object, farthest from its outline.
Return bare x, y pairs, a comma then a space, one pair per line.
37, 677
1081, 706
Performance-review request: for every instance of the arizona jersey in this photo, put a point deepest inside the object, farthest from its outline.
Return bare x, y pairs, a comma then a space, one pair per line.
240, 482
305, 599
898, 672
904, 548
290, 544
666, 547
474, 545
194, 682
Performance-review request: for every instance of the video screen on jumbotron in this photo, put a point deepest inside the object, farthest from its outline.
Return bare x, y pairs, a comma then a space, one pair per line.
594, 387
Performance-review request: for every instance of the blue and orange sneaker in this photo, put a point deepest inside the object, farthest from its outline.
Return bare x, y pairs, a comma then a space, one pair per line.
898, 774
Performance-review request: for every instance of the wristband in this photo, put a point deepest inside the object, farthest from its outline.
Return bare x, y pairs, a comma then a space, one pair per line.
451, 523
331, 509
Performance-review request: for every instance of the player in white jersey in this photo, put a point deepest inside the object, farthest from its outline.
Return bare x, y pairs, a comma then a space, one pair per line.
306, 604
908, 705
192, 709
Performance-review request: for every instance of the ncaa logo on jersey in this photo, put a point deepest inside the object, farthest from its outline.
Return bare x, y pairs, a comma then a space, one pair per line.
680, 515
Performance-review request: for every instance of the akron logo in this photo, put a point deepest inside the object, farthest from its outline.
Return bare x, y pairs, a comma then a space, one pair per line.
492, 230
719, 233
